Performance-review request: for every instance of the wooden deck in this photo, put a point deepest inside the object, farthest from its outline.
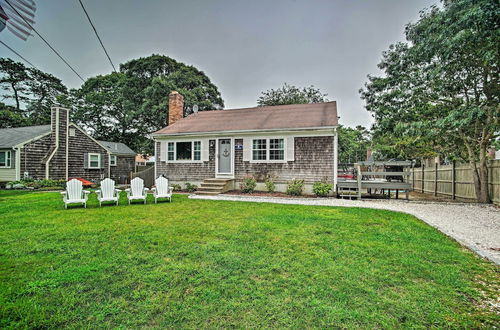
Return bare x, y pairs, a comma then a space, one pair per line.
376, 182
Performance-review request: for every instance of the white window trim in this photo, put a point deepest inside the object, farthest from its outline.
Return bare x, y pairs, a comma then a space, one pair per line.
8, 160
98, 161
192, 152
111, 163
284, 160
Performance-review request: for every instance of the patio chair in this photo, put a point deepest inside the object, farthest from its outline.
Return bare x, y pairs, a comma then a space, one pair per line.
137, 191
161, 189
108, 192
75, 194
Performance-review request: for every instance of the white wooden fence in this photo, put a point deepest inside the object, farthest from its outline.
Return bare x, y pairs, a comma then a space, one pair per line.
454, 180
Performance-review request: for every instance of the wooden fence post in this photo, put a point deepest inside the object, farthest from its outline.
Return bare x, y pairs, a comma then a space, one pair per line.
423, 176
359, 181
453, 180
413, 177
435, 179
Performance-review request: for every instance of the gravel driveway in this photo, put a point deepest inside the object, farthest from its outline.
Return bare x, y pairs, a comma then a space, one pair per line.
476, 226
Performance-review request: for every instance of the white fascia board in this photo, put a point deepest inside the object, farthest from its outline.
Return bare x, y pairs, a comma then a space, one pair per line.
311, 131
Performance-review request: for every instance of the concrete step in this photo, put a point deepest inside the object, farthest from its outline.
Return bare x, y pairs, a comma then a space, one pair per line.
219, 189
212, 185
201, 192
216, 180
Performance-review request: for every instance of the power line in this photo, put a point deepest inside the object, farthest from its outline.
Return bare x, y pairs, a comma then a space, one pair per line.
12, 50
97, 34
46, 42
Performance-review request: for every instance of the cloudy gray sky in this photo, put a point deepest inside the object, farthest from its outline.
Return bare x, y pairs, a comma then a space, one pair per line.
245, 47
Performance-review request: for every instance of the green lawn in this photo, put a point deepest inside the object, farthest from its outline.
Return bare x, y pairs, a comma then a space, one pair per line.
195, 263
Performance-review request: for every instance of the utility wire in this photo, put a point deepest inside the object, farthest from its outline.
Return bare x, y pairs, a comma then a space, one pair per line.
97, 34
46, 42
12, 50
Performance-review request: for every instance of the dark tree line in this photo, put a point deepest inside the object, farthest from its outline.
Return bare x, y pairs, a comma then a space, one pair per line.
124, 106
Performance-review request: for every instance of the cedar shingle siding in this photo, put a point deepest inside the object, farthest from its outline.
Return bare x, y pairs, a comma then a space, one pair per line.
35, 153
187, 172
313, 162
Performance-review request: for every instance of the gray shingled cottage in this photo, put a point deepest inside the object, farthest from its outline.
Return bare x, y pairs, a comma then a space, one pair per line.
217, 149
61, 150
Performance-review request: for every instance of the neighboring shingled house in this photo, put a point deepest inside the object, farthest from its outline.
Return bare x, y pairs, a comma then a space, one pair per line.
61, 150
219, 148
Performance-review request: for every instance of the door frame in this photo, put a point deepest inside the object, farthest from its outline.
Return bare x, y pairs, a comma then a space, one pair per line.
224, 175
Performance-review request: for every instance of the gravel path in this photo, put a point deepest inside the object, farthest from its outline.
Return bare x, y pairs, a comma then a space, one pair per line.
476, 226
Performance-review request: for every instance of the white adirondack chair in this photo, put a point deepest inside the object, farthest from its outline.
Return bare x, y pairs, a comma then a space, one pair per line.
108, 192
137, 191
162, 190
74, 193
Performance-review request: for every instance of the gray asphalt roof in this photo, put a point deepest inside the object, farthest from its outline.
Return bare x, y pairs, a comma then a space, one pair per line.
290, 116
117, 148
10, 137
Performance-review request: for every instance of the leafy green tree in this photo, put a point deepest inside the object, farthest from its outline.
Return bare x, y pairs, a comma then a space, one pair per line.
13, 79
441, 87
353, 143
45, 91
33, 93
9, 117
128, 105
289, 94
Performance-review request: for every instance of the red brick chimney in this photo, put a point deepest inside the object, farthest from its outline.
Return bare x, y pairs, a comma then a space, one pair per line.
175, 107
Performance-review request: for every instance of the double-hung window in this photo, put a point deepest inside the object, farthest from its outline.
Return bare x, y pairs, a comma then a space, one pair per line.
197, 150
112, 160
94, 161
171, 151
268, 150
184, 151
276, 149
5, 159
259, 149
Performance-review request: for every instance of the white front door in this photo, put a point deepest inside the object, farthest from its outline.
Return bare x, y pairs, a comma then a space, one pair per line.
224, 157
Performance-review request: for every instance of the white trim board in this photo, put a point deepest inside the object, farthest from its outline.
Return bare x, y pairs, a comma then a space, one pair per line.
323, 131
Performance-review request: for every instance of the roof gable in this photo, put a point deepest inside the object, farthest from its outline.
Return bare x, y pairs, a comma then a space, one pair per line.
117, 148
293, 116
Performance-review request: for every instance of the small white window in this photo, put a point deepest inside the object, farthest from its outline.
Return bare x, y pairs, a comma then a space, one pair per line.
171, 152
268, 150
112, 160
276, 149
184, 151
72, 131
197, 150
94, 160
5, 159
259, 149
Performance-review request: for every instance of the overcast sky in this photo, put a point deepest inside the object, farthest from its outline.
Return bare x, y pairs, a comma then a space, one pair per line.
245, 47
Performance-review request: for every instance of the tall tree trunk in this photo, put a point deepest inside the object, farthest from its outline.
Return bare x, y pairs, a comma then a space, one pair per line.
483, 195
480, 175
16, 96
